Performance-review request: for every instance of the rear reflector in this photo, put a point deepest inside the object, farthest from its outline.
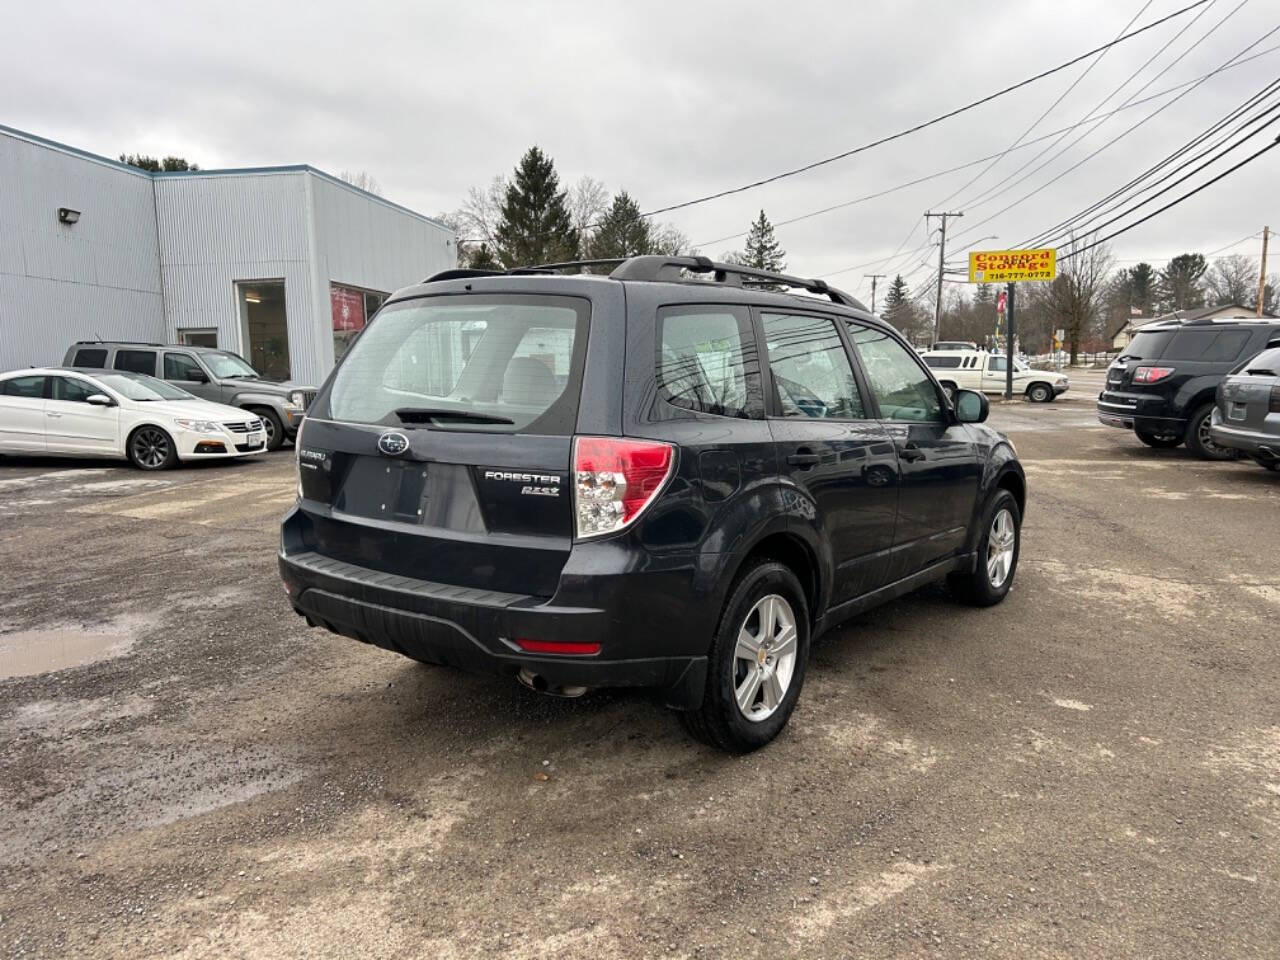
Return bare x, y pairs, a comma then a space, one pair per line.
556, 646
615, 480
1274, 406
1151, 374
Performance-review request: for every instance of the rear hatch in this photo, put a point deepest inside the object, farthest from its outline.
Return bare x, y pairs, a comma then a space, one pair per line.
1253, 393
1146, 346
441, 448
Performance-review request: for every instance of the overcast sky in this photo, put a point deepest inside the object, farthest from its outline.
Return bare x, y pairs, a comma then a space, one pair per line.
669, 101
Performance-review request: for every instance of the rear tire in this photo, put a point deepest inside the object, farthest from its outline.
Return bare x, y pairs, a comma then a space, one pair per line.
1158, 442
751, 646
1039, 393
998, 549
1267, 464
1198, 440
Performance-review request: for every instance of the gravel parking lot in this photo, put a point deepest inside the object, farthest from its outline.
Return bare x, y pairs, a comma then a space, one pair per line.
1090, 769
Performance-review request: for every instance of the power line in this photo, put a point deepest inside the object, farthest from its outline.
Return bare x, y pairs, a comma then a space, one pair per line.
1119, 136
927, 123
1173, 203
1053, 106
1080, 222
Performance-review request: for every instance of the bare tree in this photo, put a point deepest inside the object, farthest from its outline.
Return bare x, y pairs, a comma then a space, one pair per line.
362, 180
588, 202
1075, 298
1233, 279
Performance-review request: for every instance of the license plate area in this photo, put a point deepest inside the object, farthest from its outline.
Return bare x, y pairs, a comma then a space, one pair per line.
383, 489
1237, 411
254, 439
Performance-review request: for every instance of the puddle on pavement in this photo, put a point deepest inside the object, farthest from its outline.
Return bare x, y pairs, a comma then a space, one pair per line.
25, 653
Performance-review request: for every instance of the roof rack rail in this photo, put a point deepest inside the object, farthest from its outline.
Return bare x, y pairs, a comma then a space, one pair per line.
669, 268
130, 343
655, 267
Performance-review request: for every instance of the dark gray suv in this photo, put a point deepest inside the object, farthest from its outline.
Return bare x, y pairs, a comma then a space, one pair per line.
206, 372
642, 479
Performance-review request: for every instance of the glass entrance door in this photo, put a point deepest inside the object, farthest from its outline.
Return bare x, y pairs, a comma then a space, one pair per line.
266, 330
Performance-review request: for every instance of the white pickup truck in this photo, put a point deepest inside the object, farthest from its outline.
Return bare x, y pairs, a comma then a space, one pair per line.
986, 372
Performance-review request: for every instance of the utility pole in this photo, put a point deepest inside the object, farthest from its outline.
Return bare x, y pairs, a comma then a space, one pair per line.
942, 253
1262, 274
880, 276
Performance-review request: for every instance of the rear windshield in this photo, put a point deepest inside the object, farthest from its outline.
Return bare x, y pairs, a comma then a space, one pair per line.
493, 363
1148, 345
1265, 364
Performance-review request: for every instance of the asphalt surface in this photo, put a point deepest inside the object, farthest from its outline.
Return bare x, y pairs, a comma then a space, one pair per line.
1090, 769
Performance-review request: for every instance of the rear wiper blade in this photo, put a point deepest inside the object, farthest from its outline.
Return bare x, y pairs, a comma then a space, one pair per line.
430, 414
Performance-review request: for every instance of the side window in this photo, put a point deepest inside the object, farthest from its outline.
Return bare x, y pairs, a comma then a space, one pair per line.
30, 387
943, 363
812, 376
902, 388
707, 360
71, 388
90, 358
997, 365
136, 361
179, 366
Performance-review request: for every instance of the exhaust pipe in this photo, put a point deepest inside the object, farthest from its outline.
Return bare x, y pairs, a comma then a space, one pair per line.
537, 682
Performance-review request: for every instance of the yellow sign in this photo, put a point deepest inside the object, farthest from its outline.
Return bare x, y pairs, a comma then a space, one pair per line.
1012, 266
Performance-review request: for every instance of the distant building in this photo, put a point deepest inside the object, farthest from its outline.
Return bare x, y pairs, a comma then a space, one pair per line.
282, 265
1125, 334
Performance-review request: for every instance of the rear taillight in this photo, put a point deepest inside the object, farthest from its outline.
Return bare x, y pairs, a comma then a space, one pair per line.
1274, 405
1151, 374
614, 480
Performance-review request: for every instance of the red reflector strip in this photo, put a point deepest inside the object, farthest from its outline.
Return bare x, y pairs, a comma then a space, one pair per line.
556, 646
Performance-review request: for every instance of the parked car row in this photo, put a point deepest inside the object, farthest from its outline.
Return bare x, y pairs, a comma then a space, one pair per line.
1213, 384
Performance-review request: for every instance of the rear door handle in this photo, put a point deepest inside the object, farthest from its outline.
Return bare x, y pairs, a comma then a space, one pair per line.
911, 453
804, 459
50, 413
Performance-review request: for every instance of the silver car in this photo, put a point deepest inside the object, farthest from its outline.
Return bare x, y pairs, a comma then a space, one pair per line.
1247, 417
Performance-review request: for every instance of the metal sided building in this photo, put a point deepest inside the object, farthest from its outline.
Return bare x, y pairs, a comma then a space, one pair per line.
283, 265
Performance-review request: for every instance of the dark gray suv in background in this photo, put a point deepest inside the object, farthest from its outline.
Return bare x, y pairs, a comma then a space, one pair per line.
642, 479
206, 372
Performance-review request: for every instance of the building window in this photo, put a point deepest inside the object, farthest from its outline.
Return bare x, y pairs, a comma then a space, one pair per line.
204, 337
266, 329
351, 307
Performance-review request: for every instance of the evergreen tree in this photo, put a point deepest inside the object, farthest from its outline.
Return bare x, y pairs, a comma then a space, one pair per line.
167, 165
763, 250
984, 293
622, 231
482, 258
535, 225
897, 294
1180, 281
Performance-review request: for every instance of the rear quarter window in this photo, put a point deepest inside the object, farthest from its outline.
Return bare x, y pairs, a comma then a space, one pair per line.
90, 358
1209, 346
942, 363
136, 361
707, 360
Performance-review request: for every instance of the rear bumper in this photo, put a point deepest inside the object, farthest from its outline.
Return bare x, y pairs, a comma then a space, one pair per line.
475, 629
1252, 442
1138, 412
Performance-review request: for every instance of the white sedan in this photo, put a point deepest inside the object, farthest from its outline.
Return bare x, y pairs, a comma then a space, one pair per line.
81, 413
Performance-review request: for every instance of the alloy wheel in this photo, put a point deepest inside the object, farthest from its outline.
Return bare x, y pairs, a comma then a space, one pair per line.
1206, 437
150, 447
1001, 540
268, 430
764, 659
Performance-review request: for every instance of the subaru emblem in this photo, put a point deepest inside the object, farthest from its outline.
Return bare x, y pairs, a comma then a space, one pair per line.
393, 443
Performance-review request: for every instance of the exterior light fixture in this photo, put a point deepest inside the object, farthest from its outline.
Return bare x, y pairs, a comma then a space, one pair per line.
67, 215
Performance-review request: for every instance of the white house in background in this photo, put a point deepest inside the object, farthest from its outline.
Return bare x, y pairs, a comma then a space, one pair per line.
1124, 336
282, 265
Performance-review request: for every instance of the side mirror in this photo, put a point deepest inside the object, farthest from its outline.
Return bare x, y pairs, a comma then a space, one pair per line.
971, 406
100, 400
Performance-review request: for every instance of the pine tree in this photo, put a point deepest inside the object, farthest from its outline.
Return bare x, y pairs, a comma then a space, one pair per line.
535, 225
763, 250
1180, 281
622, 231
984, 293
482, 258
897, 294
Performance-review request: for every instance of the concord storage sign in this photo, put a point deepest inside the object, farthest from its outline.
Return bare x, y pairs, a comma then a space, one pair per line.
1012, 266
